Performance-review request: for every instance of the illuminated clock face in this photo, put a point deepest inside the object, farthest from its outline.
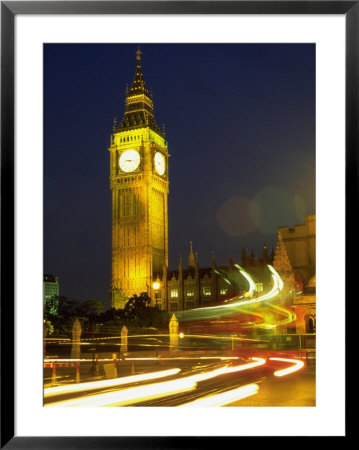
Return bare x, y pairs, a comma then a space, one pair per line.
129, 160
160, 164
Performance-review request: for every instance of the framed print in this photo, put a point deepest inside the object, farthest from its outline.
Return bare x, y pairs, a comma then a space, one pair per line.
175, 178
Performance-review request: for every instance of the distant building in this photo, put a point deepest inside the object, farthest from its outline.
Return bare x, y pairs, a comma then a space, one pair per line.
300, 245
295, 262
51, 288
195, 287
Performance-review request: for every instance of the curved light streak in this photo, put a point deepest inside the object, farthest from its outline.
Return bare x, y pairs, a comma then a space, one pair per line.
246, 275
291, 316
231, 308
276, 274
297, 365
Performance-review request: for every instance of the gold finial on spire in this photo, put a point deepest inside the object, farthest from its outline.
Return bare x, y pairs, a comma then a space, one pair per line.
138, 54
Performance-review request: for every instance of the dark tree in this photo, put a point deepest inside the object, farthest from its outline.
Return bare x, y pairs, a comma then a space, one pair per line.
139, 312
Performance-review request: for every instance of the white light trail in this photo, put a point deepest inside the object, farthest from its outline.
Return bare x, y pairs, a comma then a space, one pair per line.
129, 396
225, 398
252, 285
297, 365
91, 385
152, 391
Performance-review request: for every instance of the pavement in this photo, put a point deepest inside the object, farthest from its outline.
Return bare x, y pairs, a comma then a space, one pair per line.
297, 389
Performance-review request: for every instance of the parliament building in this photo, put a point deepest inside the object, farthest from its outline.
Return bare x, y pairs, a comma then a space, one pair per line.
140, 185
139, 182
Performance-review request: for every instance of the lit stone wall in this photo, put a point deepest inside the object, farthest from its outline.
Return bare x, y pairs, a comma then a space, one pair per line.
139, 215
300, 245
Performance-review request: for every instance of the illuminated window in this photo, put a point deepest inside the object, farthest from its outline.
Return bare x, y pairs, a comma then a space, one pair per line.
190, 292
174, 293
223, 291
206, 290
259, 287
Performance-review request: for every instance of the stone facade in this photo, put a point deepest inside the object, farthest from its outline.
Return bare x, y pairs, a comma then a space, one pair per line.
194, 287
300, 246
295, 261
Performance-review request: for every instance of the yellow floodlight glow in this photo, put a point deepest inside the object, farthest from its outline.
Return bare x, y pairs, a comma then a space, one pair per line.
225, 397
297, 365
133, 395
91, 385
156, 285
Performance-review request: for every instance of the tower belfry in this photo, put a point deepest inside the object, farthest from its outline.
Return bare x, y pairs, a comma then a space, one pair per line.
140, 186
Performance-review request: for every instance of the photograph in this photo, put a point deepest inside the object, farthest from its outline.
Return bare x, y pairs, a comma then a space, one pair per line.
179, 224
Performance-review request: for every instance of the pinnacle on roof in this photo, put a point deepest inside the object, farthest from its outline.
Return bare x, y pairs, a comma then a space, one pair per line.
138, 85
191, 260
139, 105
281, 260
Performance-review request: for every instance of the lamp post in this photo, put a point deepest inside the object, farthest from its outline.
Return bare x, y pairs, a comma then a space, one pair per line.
156, 285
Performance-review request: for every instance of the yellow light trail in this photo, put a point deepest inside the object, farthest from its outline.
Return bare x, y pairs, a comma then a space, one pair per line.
91, 385
153, 391
223, 370
297, 365
225, 398
163, 358
129, 396
291, 316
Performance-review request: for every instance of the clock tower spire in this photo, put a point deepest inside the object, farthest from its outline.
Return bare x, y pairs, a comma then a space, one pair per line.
140, 186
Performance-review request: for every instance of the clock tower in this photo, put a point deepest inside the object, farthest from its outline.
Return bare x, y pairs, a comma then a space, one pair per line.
140, 186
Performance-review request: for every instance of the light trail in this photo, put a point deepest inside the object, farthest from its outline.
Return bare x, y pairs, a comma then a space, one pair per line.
297, 365
224, 370
277, 287
155, 358
290, 315
223, 310
91, 385
246, 275
129, 396
230, 308
153, 391
225, 398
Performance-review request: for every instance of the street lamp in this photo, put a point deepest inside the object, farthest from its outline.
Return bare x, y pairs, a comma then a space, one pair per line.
156, 285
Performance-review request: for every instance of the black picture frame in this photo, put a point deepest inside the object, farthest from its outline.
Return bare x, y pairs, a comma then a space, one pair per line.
9, 10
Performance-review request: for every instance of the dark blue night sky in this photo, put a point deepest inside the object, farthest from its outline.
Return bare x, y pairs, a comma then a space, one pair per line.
240, 124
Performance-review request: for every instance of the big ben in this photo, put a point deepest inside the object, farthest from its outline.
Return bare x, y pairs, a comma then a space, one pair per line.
139, 184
